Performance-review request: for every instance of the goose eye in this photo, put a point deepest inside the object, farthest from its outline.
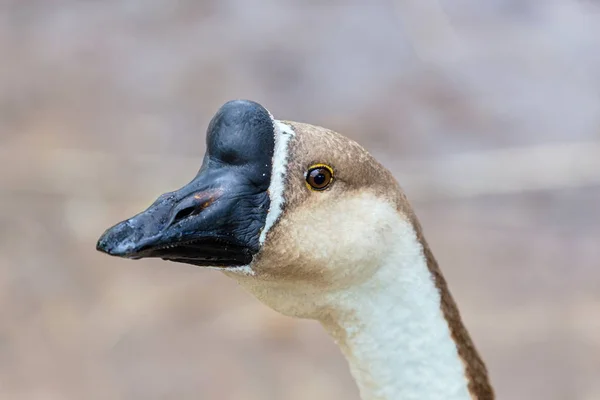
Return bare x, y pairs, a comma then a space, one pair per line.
319, 177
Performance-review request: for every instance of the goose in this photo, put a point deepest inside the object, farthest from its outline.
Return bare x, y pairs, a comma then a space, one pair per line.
313, 226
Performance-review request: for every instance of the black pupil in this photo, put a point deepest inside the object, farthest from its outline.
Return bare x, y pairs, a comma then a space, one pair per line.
319, 177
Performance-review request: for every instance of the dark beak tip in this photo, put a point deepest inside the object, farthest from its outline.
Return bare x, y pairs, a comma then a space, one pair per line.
100, 246
104, 246
113, 241
113, 249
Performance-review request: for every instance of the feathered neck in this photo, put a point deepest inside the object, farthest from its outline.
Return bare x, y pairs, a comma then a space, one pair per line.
401, 331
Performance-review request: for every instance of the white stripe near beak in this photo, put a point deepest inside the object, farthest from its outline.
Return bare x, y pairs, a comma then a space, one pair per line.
283, 134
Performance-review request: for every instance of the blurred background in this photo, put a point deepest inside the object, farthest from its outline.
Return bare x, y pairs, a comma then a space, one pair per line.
488, 112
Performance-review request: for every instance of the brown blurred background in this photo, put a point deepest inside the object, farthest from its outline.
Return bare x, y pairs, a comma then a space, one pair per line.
488, 112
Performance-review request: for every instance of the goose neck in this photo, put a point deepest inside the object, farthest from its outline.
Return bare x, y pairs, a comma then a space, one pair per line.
394, 334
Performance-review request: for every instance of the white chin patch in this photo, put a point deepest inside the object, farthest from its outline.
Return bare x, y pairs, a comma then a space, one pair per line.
244, 269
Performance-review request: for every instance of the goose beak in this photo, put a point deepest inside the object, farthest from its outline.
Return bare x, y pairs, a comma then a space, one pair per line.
215, 220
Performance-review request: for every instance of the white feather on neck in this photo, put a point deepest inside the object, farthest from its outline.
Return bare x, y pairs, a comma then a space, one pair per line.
393, 332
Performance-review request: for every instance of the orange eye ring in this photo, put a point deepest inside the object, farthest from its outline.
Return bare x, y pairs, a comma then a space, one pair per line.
319, 177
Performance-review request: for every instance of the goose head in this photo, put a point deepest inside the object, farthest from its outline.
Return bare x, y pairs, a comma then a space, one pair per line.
312, 225
292, 211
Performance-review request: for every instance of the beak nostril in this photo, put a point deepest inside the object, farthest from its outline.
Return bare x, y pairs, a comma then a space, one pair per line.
186, 212
193, 209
